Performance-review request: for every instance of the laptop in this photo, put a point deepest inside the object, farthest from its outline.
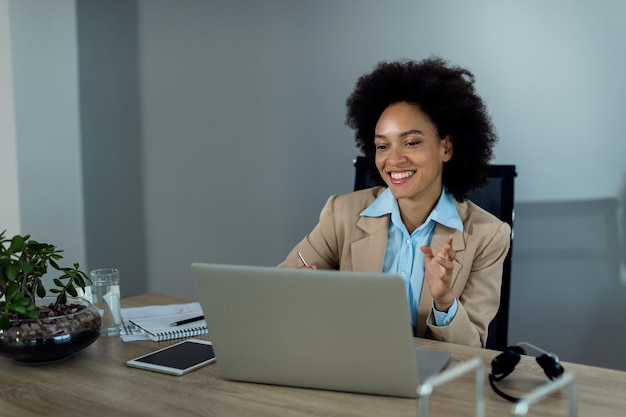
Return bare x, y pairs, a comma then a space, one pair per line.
331, 330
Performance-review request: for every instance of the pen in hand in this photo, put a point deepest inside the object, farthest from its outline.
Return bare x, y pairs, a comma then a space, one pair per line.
191, 320
302, 259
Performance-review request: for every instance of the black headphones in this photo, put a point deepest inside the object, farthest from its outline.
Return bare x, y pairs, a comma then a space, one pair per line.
503, 364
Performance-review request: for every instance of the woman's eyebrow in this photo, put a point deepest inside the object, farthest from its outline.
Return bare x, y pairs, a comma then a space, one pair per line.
412, 132
403, 134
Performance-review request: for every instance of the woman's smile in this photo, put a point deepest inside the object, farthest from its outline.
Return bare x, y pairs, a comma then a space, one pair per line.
400, 177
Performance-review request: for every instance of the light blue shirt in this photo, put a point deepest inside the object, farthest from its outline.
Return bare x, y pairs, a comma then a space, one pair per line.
403, 256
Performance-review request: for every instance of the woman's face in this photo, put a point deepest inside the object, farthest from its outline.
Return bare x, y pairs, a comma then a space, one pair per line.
409, 153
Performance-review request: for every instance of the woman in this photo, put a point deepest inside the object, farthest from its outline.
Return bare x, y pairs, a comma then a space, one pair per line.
431, 139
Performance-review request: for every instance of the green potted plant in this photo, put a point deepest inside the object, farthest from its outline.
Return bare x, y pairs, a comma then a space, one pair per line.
36, 325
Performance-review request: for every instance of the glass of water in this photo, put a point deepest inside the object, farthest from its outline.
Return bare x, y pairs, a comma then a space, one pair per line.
105, 294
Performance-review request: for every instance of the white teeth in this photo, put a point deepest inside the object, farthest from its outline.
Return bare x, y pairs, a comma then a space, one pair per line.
401, 175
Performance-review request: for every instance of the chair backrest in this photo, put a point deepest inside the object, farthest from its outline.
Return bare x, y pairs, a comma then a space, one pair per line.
497, 197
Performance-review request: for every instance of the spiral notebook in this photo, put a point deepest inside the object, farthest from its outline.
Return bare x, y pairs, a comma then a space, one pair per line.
159, 328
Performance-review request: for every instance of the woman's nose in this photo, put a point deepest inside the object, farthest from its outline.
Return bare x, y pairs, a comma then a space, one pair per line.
396, 154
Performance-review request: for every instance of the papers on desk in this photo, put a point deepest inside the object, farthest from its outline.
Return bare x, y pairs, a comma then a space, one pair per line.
131, 333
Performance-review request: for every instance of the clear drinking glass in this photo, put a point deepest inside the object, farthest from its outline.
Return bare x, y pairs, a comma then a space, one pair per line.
105, 293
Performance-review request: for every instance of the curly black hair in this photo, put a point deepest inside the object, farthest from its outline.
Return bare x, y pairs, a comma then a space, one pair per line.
446, 95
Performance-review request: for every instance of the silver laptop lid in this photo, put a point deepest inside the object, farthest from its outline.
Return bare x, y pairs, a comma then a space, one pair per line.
331, 330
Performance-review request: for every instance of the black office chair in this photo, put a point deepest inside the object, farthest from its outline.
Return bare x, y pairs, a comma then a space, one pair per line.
497, 197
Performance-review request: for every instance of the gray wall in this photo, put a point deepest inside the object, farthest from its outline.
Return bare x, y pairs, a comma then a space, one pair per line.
9, 206
237, 137
112, 145
44, 59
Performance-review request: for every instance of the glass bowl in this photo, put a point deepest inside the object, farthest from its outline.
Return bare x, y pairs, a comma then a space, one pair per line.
52, 338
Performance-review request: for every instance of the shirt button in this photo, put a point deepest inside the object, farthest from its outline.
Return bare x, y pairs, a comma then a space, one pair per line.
408, 241
403, 274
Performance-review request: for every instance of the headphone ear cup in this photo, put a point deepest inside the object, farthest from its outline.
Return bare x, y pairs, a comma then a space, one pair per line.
503, 364
551, 367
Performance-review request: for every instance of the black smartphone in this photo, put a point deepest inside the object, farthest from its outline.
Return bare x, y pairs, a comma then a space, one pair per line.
177, 359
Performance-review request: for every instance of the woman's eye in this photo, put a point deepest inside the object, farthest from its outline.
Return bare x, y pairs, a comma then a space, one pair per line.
381, 147
413, 143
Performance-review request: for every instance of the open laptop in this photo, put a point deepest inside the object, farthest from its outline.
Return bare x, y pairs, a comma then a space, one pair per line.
332, 330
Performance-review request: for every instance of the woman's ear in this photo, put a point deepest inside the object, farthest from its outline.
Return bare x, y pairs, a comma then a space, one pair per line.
448, 148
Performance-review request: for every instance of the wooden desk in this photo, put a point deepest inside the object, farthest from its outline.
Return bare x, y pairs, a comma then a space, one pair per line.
96, 382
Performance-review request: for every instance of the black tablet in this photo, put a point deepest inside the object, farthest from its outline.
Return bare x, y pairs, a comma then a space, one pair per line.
177, 359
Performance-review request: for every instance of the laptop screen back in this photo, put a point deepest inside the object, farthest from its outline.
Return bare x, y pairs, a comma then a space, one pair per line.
331, 330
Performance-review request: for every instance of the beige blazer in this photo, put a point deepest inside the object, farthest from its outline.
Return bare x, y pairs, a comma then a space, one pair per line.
344, 240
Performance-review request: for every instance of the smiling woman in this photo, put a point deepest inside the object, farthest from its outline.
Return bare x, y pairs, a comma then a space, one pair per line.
431, 139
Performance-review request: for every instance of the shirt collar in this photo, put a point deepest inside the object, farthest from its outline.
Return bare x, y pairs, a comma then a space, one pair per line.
445, 211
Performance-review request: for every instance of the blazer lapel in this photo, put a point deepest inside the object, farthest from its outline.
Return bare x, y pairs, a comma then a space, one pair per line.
368, 252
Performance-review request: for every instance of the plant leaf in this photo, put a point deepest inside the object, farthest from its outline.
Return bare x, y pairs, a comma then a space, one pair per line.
72, 291
17, 244
41, 291
12, 291
24, 301
32, 314
78, 280
18, 309
12, 272
26, 267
